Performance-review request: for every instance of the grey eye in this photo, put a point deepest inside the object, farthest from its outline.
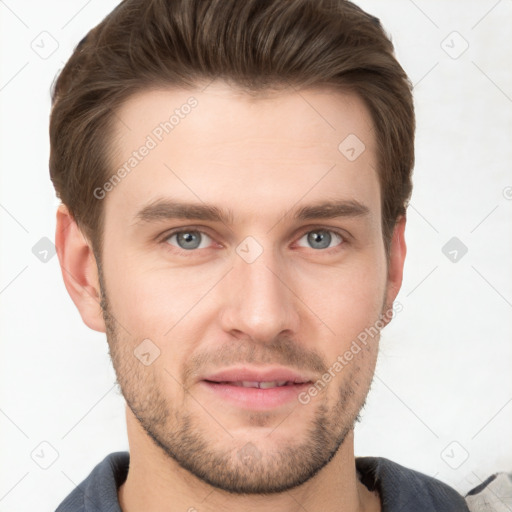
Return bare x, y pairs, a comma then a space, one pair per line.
189, 239
321, 238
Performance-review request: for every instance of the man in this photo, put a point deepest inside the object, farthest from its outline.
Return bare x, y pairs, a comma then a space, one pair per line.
234, 178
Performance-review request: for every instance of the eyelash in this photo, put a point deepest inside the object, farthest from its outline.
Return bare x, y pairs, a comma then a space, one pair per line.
176, 250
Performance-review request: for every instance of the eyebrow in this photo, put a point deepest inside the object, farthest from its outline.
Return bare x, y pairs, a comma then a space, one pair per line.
166, 209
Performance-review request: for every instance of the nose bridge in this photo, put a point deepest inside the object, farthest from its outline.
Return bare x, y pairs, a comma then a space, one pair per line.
261, 303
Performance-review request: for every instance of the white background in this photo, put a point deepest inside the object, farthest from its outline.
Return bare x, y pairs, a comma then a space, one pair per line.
443, 385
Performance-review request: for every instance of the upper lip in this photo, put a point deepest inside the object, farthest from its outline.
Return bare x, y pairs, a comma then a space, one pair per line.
267, 374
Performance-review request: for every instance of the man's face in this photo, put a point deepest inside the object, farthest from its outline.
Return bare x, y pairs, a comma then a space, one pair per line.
206, 309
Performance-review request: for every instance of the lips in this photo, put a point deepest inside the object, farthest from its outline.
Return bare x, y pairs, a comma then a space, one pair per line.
261, 378
256, 388
260, 384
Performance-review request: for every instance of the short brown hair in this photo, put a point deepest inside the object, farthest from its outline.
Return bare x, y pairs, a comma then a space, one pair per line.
256, 45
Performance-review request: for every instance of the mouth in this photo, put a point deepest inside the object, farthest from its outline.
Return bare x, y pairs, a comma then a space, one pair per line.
257, 384
256, 389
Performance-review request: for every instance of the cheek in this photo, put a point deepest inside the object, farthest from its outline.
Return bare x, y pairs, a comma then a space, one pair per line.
147, 299
347, 298
164, 307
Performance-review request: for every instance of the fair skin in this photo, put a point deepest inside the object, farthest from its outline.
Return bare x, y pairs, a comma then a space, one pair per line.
295, 307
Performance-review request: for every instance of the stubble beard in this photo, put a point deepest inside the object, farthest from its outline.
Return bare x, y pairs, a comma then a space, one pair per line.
243, 466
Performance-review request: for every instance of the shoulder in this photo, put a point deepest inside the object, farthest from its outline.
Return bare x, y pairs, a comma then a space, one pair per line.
493, 495
98, 492
402, 488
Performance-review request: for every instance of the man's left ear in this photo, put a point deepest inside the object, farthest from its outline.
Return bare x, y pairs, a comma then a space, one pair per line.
397, 254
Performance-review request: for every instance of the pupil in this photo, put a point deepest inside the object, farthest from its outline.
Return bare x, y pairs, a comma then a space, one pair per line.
322, 237
315, 237
188, 240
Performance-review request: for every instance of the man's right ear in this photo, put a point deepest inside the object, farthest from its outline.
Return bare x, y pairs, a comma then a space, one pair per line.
79, 269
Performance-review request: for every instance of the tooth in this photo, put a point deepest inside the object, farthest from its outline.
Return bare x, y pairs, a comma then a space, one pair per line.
249, 384
281, 382
268, 384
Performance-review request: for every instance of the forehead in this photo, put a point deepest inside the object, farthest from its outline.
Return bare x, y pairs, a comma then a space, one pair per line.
222, 146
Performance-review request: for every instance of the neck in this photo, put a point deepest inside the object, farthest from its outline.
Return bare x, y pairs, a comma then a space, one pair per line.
156, 482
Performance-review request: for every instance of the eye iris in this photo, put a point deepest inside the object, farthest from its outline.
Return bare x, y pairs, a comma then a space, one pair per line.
191, 239
188, 239
324, 237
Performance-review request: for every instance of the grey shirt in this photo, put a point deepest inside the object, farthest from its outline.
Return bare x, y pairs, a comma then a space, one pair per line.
400, 488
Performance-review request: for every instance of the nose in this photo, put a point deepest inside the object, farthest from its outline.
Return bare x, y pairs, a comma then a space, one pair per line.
259, 300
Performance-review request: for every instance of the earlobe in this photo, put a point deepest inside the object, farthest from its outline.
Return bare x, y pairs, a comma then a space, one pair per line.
397, 253
79, 269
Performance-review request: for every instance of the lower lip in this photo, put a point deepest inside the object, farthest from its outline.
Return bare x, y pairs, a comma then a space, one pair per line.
255, 398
